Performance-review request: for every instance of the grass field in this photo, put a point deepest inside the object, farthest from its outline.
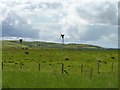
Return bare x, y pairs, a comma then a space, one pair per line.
31, 65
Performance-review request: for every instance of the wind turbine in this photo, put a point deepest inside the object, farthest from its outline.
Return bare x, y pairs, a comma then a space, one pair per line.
62, 36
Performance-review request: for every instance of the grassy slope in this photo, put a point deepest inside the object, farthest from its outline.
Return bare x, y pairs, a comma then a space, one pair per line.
48, 45
50, 75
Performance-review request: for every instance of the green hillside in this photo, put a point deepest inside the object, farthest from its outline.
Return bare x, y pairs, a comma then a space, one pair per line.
53, 65
36, 44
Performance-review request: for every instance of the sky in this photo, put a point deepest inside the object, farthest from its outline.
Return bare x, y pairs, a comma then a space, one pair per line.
82, 21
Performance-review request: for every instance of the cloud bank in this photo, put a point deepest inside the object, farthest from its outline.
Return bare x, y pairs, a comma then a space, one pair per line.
91, 22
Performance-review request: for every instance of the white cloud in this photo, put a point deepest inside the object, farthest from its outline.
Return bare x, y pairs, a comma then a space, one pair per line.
82, 21
59, 1
110, 41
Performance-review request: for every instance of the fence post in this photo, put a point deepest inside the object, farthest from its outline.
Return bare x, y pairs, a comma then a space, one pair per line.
62, 68
81, 68
39, 66
98, 67
91, 72
20, 65
2, 65
112, 65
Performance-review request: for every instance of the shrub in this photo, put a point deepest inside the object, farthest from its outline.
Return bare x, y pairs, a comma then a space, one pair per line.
26, 52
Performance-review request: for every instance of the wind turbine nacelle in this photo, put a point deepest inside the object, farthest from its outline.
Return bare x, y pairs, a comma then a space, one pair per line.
62, 35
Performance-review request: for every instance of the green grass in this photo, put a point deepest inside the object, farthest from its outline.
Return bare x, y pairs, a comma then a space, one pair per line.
50, 60
52, 80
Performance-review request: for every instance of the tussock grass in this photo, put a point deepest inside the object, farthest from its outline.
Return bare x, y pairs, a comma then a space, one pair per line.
50, 59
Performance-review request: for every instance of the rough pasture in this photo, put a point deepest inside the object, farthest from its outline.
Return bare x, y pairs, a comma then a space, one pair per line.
37, 67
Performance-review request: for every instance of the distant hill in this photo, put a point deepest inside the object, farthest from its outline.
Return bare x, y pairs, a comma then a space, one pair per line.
36, 44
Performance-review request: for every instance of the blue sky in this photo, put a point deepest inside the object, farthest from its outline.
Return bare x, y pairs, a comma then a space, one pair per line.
82, 21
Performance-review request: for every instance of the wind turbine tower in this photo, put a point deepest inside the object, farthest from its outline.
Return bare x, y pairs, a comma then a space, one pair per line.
62, 36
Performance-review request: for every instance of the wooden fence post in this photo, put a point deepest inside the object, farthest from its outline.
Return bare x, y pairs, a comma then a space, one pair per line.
20, 65
2, 65
81, 68
98, 67
112, 65
39, 66
62, 68
91, 72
